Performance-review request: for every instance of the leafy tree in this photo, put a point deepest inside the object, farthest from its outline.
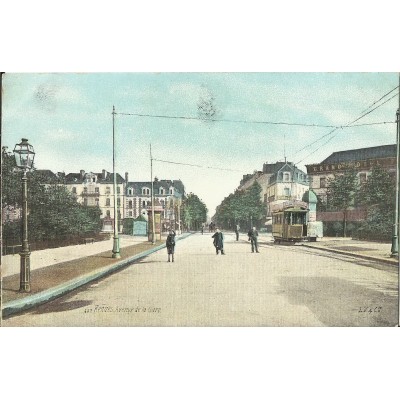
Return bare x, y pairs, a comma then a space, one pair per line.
341, 191
53, 211
378, 195
194, 212
241, 207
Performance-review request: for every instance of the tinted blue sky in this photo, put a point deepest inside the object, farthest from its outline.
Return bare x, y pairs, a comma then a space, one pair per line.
67, 118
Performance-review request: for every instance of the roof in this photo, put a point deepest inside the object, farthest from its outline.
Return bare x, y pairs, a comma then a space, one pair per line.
165, 183
361, 154
106, 177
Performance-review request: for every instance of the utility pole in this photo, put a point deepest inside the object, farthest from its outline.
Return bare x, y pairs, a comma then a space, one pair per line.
115, 251
395, 238
152, 199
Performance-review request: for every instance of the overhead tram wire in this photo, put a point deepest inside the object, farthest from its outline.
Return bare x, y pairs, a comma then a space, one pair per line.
227, 120
348, 125
197, 165
379, 99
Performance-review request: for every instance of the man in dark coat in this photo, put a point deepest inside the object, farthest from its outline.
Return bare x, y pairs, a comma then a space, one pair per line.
219, 241
253, 237
237, 228
171, 245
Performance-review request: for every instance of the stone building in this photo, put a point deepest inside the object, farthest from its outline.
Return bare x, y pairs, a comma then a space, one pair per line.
97, 189
167, 193
281, 181
362, 160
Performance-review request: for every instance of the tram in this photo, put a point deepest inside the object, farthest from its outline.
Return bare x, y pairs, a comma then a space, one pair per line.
290, 223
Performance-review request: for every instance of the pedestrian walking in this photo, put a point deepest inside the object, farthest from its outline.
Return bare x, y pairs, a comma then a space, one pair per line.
253, 238
237, 228
218, 241
171, 245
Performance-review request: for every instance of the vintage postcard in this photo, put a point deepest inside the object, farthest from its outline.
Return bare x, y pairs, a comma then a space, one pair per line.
200, 199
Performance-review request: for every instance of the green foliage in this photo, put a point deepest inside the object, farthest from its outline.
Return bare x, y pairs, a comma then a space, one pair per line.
193, 212
342, 191
53, 212
378, 195
241, 207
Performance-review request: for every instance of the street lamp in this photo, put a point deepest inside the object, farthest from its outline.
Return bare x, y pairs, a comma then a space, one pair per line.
24, 156
115, 251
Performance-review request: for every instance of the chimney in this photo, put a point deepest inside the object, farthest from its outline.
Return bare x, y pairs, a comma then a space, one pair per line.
104, 174
126, 177
82, 172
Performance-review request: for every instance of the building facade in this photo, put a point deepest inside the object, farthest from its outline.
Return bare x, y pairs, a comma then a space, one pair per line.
361, 160
280, 182
97, 189
167, 193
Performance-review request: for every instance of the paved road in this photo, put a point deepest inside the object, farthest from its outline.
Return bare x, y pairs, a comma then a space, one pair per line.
281, 286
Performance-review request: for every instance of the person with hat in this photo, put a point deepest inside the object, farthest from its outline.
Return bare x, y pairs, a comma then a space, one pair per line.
218, 241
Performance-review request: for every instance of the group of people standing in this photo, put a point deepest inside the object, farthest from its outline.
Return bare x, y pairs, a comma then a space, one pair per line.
218, 241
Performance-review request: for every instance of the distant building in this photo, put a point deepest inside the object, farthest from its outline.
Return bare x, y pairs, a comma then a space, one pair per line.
97, 189
167, 193
362, 160
281, 181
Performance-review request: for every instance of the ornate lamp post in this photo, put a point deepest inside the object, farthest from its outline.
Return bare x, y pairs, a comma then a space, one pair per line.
24, 156
116, 250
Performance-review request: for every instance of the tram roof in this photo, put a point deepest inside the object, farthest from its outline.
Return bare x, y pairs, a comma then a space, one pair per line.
292, 209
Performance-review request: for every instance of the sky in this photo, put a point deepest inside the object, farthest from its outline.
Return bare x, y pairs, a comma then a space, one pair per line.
67, 117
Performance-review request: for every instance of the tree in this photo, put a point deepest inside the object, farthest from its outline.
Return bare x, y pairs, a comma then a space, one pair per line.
241, 207
378, 195
341, 191
53, 211
194, 212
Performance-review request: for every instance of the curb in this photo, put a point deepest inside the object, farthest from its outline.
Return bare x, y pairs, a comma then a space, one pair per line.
17, 306
392, 262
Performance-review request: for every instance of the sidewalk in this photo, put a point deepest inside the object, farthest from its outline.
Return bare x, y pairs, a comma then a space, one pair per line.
373, 251
67, 270
377, 251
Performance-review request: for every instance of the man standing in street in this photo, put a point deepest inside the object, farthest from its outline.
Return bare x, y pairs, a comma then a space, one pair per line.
218, 241
253, 234
237, 228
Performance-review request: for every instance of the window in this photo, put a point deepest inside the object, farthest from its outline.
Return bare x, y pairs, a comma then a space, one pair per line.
363, 178
74, 190
97, 190
130, 191
93, 179
144, 204
108, 190
130, 204
118, 201
108, 202
322, 183
130, 213
85, 190
161, 191
286, 192
108, 213
85, 202
286, 176
96, 202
